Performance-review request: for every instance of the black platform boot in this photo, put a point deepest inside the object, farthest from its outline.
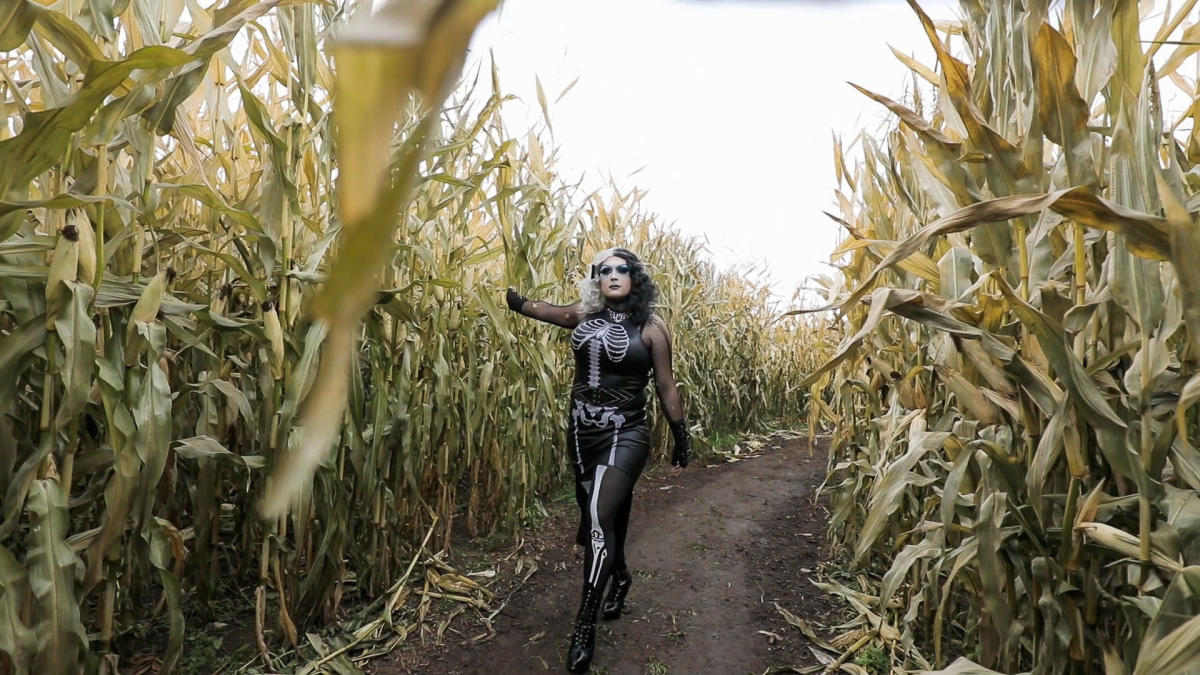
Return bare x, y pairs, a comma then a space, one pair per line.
583, 641
618, 588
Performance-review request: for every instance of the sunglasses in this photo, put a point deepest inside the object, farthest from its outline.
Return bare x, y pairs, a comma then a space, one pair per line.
606, 270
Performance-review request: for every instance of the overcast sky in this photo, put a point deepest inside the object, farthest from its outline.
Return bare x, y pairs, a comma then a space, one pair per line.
723, 111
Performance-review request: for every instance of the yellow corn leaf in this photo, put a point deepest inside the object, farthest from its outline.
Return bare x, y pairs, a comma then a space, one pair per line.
917, 67
414, 47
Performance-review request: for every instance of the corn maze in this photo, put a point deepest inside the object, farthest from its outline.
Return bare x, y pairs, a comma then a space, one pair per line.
253, 346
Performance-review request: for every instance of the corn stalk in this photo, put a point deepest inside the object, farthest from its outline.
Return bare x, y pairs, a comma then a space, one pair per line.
1013, 452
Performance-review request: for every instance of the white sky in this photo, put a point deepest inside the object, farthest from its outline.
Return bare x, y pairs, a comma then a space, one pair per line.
728, 108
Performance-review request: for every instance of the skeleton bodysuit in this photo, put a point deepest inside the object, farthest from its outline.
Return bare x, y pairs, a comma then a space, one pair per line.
608, 438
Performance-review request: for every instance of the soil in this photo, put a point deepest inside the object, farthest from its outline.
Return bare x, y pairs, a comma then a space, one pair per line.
713, 551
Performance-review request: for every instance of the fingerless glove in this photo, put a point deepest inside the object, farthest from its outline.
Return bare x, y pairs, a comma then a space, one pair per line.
683, 443
515, 301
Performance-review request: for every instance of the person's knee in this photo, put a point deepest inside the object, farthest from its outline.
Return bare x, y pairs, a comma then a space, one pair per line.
610, 516
608, 521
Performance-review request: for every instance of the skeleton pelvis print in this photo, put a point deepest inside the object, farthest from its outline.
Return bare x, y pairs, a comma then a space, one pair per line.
596, 415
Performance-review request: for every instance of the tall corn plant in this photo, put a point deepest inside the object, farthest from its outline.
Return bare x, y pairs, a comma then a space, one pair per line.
1013, 407
180, 219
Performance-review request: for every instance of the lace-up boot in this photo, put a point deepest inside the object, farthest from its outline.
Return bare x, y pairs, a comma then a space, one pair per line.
583, 640
618, 588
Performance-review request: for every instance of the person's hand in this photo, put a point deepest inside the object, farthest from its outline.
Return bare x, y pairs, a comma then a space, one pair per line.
515, 300
682, 452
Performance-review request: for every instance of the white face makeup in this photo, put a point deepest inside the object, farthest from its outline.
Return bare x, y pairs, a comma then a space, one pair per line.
615, 281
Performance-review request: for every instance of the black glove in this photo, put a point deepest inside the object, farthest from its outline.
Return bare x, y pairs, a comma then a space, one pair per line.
515, 300
683, 443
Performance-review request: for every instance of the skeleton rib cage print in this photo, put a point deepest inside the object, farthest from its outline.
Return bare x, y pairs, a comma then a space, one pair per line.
600, 334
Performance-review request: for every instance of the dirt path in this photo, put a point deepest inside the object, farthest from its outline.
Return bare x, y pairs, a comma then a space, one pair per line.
712, 552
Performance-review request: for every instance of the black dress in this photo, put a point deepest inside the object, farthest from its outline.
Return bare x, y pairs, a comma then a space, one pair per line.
607, 420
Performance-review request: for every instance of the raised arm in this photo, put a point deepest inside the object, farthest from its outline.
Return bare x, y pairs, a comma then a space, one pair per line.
658, 338
566, 316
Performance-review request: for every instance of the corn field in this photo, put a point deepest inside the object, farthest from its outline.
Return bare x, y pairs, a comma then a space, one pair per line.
225, 238
1014, 462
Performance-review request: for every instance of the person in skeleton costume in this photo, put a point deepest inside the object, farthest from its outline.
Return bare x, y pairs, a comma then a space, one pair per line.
617, 342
